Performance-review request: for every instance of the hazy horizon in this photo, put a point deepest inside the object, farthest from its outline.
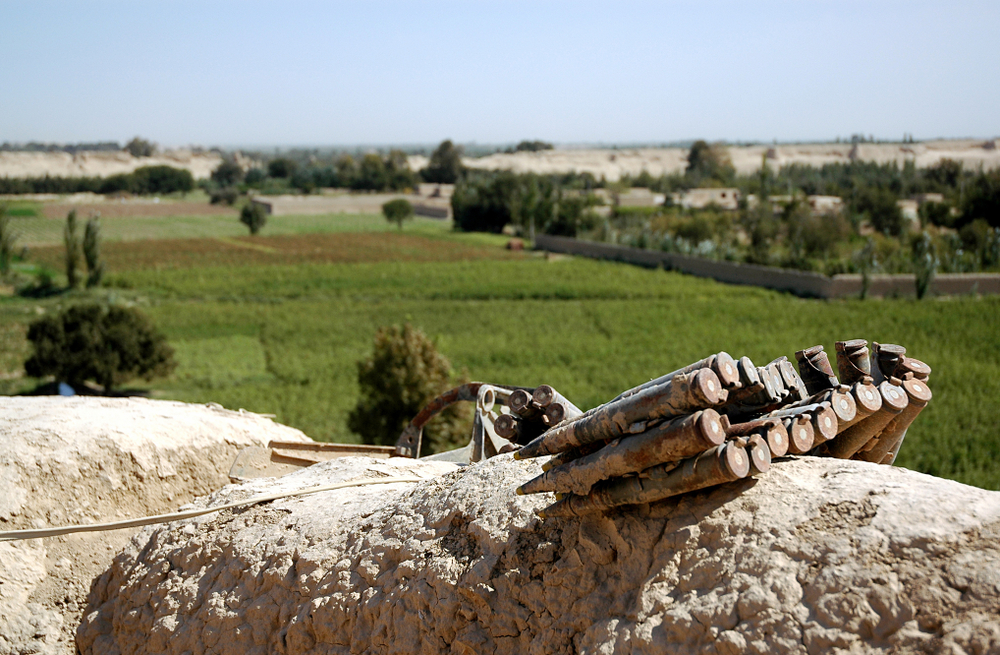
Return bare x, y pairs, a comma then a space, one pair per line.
343, 75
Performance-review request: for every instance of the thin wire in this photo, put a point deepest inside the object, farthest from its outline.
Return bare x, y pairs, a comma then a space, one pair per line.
14, 535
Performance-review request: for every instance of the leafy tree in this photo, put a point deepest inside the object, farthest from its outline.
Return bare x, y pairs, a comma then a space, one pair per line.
982, 199
92, 251
7, 240
761, 226
161, 179
925, 262
108, 345
228, 173
254, 177
445, 166
71, 241
403, 374
936, 213
253, 216
708, 162
878, 204
398, 210
281, 167
533, 146
370, 174
139, 147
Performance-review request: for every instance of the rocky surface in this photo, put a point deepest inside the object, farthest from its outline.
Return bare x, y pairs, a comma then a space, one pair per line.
817, 556
89, 460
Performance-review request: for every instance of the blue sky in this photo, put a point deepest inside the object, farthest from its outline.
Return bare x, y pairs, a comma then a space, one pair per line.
332, 73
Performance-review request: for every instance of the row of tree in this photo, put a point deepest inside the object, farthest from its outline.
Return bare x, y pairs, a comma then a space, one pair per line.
145, 180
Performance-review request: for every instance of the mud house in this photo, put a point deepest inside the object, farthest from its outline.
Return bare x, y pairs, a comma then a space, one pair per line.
725, 198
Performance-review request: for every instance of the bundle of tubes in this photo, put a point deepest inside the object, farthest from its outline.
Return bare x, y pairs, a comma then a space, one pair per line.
716, 421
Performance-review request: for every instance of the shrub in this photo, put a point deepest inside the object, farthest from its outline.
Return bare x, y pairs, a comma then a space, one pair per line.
92, 251
925, 262
162, 179
533, 146
138, 147
7, 240
445, 166
107, 345
404, 373
281, 167
398, 210
253, 216
227, 174
71, 241
226, 196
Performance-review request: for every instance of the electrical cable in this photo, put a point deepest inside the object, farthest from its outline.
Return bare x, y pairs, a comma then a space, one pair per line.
15, 535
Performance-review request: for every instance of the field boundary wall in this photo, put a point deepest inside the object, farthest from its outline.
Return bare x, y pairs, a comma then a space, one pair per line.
800, 283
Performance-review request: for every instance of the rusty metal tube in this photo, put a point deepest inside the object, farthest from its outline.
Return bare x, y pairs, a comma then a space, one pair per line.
573, 454
520, 404
667, 442
715, 466
800, 433
886, 357
912, 367
855, 437
839, 399
558, 411
815, 370
867, 401
772, 429
853, 360
515, 429
684, 394
919, 395
722, 363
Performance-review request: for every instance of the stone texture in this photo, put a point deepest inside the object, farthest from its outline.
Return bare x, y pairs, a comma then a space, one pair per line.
817, 556
92, 460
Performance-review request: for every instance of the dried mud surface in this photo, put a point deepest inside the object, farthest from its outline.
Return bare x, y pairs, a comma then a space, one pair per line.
92, 460
817, 556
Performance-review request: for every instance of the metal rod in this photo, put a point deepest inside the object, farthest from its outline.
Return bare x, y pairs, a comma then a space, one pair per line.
520, 404
667, 442
715, 466
886, 358
684, 394
888, 441
815, 370
855, 437
560, 410
853, 360
867, 401
800, 433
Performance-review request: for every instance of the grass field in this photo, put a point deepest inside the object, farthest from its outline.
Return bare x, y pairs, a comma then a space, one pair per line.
278, 327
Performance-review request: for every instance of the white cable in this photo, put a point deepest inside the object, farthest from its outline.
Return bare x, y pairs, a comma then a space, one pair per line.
14, 535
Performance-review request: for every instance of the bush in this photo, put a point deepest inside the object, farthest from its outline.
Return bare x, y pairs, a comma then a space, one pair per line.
92, 251
281, 167
71, 242
227, 174
7, 240
404, 373
445, 166
253, 216
226, 196
397, 211
107, 345
533, 146
161, 179
140, 147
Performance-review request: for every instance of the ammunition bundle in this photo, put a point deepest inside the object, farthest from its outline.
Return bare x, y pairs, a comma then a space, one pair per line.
716, 421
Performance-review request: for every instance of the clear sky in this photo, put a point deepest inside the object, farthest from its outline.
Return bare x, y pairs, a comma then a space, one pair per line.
340, 73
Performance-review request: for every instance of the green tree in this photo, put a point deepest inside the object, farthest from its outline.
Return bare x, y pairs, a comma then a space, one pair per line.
7, 240
92, 251
982, 199
925, 262
71, 241
708, 162
445, 166
139, 147
371, 174
254, 216
403, 374
398, 210
107, 345
161, 179
228, 173
878, 205
281, 167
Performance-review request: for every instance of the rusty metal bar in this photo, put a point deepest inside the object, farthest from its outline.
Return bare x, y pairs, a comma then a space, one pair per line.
759, 450
800, 433
867, 401
772, 429
573, 454
815, 370
408, 444
667, 442
839, 399
715, 466
520, 404
516, 429
722, 364
912, 367
886, 357
684, 394
852, 439
888, 441
853, 360
793, 382
559, 411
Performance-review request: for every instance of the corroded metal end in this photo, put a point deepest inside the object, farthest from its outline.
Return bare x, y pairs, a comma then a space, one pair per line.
759, 455
887, 356
708, 387
792, 380
544, 395
726, 368
853, 360
918, 391
734, 460
505, 426
866, 397
843, 405
800, 434
913, 367
520, 403
824, 424
710, 427
815, 369
894, 397
776, 437
749, 378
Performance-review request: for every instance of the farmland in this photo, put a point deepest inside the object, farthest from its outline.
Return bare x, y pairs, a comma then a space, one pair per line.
276, 323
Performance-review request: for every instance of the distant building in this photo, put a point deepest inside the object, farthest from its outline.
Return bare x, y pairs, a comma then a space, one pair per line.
825, 204
921, 198
640, 197
910, 209
726, 198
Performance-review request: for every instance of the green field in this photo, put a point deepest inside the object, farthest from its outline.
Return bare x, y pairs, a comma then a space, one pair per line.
284, 338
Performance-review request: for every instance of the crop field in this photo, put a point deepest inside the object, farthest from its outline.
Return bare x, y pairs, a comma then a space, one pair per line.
278, 328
